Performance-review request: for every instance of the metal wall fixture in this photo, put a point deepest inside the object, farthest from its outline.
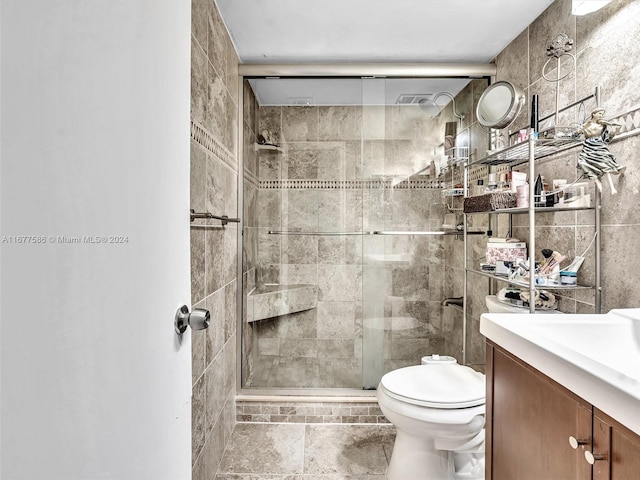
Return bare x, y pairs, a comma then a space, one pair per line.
198, 319
499, 105
459, 116
373, 232
423, 70
223, 218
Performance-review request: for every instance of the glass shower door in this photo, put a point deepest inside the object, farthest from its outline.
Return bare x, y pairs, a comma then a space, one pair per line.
403, 260
303, 236
343, 278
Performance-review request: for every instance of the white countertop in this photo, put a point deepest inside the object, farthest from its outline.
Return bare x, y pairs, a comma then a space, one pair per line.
595, 356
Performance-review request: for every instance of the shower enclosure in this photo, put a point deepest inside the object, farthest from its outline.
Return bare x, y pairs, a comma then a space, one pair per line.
349, 255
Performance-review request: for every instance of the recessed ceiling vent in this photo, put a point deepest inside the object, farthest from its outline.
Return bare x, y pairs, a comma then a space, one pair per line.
302, 101
413, 98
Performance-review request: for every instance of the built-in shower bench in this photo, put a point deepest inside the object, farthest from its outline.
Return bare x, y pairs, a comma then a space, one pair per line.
272, 300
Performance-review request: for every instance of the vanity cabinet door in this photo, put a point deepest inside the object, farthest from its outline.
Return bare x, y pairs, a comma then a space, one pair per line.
616, 448
530, 420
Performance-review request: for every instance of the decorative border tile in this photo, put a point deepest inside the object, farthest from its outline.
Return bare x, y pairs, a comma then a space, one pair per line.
630, 121
348, 184
203, 138
248, 411
481, 171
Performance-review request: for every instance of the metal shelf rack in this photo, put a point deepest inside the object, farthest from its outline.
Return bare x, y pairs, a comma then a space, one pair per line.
512, 156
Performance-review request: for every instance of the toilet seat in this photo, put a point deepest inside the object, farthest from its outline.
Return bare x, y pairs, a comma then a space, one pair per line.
436, 386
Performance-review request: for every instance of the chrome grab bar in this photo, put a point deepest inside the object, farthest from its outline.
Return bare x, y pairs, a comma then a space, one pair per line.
373, 232
285, 232
224, 219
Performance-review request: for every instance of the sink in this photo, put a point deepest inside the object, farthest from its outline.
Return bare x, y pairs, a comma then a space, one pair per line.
595, 356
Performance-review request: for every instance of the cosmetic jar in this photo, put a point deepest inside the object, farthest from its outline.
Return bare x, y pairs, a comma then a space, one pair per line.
522, 195
568, 278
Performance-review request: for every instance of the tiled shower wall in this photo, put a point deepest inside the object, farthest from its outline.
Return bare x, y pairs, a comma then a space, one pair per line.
214, 173
319, 143
336, 172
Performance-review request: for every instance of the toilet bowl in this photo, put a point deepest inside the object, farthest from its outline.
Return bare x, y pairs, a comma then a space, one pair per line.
439, 413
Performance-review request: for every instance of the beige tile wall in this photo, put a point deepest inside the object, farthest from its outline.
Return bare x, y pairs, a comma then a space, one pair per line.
605, 44
214, 173
324, 143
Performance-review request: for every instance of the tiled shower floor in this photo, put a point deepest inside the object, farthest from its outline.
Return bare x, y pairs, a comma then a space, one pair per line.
279, 451
293, 372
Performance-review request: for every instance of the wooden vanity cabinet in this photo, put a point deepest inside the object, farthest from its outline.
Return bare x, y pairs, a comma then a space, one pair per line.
530, 419
619, 448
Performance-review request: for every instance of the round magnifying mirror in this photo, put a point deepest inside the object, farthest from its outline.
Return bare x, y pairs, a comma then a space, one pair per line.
499, 105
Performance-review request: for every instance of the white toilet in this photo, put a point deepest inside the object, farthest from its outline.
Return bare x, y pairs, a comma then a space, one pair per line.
438, 410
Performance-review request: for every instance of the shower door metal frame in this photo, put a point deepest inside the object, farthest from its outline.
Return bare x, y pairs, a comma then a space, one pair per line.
324, 70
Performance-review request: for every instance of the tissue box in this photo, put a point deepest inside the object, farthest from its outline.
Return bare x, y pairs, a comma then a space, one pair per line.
506, 251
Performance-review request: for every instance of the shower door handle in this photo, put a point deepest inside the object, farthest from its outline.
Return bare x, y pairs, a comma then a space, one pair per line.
198, 319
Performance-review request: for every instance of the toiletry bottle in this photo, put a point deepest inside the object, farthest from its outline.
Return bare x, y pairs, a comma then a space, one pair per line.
493, 183
551, 199
479, 188
538, 193
522, 196
534, 115
432, 169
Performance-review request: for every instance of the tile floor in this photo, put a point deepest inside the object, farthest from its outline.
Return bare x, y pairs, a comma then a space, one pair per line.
279, 451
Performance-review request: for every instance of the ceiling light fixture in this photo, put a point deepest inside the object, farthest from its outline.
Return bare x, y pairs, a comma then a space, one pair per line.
582, 7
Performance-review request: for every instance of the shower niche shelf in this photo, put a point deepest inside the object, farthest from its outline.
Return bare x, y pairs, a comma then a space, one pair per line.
453, 192
274, 300
456, 156
267, 147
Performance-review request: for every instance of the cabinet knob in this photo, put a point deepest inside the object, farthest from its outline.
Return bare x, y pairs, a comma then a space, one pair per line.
575, 442
593, 457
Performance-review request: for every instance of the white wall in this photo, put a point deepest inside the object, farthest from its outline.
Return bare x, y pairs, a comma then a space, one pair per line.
95, 141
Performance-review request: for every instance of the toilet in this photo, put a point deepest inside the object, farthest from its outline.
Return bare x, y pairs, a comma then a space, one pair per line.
438, 409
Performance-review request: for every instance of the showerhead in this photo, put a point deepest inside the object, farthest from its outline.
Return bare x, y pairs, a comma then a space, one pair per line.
429, 106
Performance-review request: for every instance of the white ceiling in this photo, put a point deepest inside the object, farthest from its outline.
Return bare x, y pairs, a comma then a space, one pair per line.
370, 31
295, 31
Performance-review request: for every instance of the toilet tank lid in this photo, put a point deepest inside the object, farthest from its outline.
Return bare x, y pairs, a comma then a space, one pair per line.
437, 386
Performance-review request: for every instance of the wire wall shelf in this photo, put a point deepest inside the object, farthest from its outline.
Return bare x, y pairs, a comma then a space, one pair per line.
519, 153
